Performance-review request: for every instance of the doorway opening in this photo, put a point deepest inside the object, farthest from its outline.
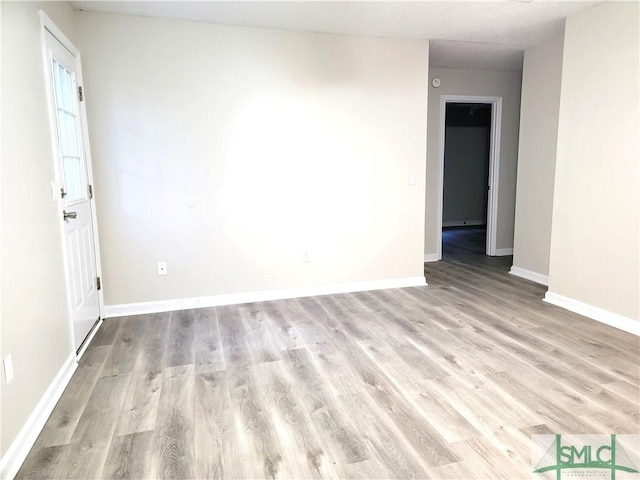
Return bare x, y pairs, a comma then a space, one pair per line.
466, 177
73, 186
469, 174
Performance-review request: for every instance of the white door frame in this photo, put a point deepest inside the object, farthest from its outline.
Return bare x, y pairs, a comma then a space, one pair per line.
46, 24
494, 165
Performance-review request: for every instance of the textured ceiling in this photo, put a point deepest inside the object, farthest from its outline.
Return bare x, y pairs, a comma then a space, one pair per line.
467, 34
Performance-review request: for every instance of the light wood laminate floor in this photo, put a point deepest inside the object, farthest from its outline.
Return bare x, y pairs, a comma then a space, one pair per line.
446, 381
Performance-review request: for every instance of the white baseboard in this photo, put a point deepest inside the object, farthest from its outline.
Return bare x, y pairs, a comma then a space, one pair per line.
503, 252
431, 257
529, 275
250, 297
464, 223
17, 452
594, 313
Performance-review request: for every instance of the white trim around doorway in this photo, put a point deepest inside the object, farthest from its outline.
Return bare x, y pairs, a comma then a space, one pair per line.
494, 166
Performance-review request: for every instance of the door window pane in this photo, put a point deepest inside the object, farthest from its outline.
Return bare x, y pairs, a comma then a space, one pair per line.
75, 184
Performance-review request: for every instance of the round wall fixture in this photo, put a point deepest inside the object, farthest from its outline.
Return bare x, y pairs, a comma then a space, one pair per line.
436, 82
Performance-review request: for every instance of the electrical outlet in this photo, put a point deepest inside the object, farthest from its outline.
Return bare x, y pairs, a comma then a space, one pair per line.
162, 268
305, 257
8, 369
412, 180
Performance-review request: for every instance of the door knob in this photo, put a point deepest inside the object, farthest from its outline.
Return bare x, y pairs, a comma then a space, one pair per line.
67, 215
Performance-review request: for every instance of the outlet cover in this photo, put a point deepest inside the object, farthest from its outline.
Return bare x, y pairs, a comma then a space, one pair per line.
162, 268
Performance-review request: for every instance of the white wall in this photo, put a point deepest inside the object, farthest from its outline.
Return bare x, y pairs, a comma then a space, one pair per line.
35, 329
484, 83
541, 79
226, 151
465, 175
596, 206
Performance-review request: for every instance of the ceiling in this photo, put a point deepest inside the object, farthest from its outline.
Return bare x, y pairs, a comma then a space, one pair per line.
465, 34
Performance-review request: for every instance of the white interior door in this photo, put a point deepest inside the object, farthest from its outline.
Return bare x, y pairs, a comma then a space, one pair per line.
75, 191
